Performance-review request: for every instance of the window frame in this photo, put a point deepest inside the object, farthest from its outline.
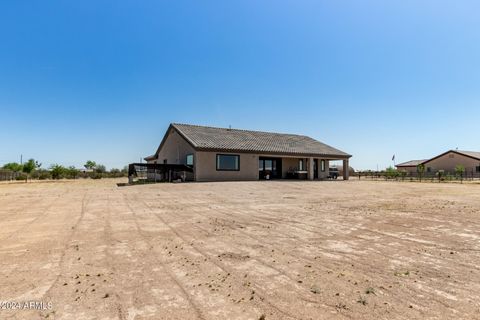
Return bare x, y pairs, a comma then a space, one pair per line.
227, 155
193, 159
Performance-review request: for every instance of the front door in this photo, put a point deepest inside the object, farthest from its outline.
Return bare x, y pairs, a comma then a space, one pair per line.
315, 168
269, 168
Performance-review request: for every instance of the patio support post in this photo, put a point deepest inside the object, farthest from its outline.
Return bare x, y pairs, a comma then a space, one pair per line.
346, 171
310, 168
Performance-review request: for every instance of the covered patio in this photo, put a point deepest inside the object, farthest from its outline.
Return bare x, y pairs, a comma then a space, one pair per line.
301, 168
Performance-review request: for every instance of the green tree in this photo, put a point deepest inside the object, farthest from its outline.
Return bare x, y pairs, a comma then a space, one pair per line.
420, 170
30, 166
13, 166
459, 171
72, 172
115, 173
90, 164
100, 168
57, 171
391, 172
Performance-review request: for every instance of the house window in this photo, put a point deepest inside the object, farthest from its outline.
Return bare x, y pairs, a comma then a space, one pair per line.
322, 165
429, 169
228, 162
478, 169
165, 161
300, 165
189, 160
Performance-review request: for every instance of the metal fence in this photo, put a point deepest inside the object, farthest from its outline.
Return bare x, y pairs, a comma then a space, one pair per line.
439, 176
7, 175
150, 172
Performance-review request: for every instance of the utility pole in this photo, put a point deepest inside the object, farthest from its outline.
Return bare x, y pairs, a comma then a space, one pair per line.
21, 159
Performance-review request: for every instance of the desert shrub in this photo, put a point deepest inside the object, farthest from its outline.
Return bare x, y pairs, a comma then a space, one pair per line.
21, 177
100, 168
44, 176
41, 174
391, 173
71, 172
96, 175
57, 171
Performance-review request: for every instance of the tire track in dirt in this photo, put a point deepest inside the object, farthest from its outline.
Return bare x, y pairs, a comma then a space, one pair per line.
312, 263
432, 297
220, 265
108, 239
170, 274
283, 223
44, 213
371, 266
61, 263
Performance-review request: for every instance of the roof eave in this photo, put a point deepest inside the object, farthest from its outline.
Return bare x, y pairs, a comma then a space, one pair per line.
307, 155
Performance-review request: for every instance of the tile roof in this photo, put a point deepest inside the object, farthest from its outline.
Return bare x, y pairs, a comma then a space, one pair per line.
210, 138
412, 163
471, 154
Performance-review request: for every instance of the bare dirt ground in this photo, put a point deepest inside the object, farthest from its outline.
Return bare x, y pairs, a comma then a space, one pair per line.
243, 250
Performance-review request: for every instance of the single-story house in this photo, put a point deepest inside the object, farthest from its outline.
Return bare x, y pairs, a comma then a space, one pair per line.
410, 166
447, 162
221, 154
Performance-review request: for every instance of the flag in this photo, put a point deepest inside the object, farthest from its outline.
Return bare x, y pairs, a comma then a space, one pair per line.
393, 158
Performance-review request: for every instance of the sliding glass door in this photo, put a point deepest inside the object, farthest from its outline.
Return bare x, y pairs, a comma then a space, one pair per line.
270, 168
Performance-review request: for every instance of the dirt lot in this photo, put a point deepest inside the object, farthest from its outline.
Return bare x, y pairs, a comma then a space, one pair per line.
245, 250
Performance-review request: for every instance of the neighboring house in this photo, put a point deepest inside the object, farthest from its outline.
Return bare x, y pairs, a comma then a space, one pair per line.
447, 162
219, 154
410, 166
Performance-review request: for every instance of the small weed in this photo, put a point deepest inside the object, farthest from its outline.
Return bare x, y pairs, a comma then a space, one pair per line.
370, 291
315, 290
362, 301
341, 306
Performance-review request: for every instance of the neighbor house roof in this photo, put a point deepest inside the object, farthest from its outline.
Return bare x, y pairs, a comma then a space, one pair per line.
471, 154
412, 163
234, 140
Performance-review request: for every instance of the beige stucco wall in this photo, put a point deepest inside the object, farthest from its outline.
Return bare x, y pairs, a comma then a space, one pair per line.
449, 161
409, 170
206, 167
206, 170
175, 149
289, 163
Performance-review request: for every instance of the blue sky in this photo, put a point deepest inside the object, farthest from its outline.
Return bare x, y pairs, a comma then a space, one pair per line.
102, 80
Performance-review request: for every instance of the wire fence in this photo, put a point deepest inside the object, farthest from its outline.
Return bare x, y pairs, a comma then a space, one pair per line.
439, 176
7, 175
